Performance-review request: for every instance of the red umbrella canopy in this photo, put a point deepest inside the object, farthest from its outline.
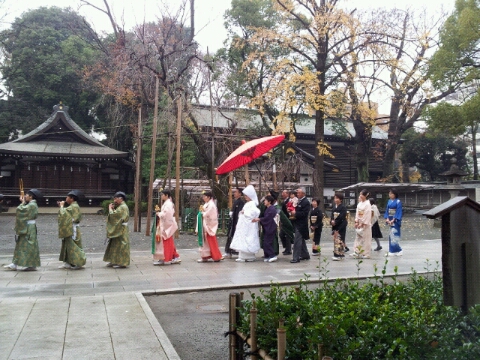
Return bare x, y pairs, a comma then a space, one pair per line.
248, 152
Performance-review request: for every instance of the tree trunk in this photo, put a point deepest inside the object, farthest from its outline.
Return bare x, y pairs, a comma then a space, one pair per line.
318, 173
393, 139
474, 154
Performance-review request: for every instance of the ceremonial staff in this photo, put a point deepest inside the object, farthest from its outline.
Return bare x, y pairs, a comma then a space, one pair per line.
20, 184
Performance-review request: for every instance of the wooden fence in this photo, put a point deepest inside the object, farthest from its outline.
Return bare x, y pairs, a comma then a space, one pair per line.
237, 340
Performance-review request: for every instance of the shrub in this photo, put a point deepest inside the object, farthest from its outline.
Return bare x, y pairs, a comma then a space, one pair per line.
366, 320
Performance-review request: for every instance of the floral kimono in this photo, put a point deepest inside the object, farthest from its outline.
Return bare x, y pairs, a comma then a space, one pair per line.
363, 236
394, 211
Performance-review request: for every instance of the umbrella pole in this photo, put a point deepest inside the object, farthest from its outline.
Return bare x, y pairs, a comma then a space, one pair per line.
261, 176
230, 201
247, 176
275, 186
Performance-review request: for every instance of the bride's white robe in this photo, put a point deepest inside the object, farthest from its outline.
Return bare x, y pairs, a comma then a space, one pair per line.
246, 240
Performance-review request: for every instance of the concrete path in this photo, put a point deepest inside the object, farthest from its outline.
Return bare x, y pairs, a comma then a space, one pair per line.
100, 312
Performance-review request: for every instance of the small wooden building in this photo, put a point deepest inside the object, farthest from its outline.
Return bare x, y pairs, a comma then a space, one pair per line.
460, 250
59, 156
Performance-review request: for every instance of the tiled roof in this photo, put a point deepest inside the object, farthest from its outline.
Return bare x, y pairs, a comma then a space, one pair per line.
60, 136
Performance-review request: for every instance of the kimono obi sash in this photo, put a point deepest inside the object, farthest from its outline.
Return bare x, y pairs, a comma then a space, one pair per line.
75, 225
335, 215
313, 219
361, 212
391, 212
31, 222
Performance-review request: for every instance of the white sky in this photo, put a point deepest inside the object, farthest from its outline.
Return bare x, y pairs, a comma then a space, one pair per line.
210, 31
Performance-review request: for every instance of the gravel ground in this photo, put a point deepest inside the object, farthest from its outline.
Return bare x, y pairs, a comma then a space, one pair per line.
93, 234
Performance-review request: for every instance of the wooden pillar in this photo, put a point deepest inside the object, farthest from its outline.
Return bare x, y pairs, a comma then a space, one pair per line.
152, 160
177, 162
137, 221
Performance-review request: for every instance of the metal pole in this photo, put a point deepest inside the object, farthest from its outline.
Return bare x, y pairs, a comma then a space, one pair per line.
177, 162
137, 221
152, 160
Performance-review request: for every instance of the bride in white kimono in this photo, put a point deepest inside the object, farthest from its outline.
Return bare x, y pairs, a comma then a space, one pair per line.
246, 240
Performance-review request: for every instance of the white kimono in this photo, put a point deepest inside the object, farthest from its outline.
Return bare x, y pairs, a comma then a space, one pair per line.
246, 239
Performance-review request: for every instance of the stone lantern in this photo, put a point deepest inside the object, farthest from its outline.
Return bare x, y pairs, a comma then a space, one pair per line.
453, 176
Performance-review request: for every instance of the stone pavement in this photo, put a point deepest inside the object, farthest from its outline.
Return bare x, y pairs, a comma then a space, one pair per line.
100, 312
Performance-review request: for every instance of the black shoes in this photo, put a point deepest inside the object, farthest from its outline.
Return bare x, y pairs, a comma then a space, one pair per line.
287, 253
304, 258
346, 249
294, 261
378, 248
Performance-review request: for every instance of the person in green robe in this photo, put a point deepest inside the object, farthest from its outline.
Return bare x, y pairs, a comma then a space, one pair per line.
27, 254
69, 218
118, 249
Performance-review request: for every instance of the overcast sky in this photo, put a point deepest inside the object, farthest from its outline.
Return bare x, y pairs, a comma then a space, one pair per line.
208, 13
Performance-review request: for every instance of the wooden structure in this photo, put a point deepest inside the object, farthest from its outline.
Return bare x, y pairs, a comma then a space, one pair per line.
59, 156
339, 172
460, 250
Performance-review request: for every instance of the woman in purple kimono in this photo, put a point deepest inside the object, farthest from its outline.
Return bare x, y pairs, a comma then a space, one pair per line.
269, 225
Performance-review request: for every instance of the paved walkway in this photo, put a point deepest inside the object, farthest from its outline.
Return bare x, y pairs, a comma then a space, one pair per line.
100, 312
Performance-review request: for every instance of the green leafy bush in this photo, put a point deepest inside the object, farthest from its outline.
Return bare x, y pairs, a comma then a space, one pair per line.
374, 319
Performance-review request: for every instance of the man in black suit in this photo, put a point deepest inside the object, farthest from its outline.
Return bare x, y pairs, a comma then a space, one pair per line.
284, 234
237, 206
302, 210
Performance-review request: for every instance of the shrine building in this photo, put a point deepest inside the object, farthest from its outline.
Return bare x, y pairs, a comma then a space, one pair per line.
59, 156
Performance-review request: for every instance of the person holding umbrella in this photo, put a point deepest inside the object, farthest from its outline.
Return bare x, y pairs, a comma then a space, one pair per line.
117, 254
234, 214
207, 225
69, 218
26, 253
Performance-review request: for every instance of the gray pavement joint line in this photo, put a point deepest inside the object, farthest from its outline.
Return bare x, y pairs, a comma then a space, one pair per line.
66, 325
109, 329
158, 329
279, 283
23, 327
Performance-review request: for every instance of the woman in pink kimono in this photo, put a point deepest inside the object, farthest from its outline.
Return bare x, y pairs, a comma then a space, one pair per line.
363, 227
165, 252
207, 225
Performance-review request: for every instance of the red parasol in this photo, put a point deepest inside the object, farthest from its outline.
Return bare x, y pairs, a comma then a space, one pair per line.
248, 152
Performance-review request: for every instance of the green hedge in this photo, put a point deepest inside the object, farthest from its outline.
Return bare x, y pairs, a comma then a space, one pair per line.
373, 319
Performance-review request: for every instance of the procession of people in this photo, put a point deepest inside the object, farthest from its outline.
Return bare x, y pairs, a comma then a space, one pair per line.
254, 225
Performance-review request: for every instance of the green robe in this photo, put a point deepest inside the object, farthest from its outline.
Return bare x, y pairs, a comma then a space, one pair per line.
118, 249
26, 249
68, 230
